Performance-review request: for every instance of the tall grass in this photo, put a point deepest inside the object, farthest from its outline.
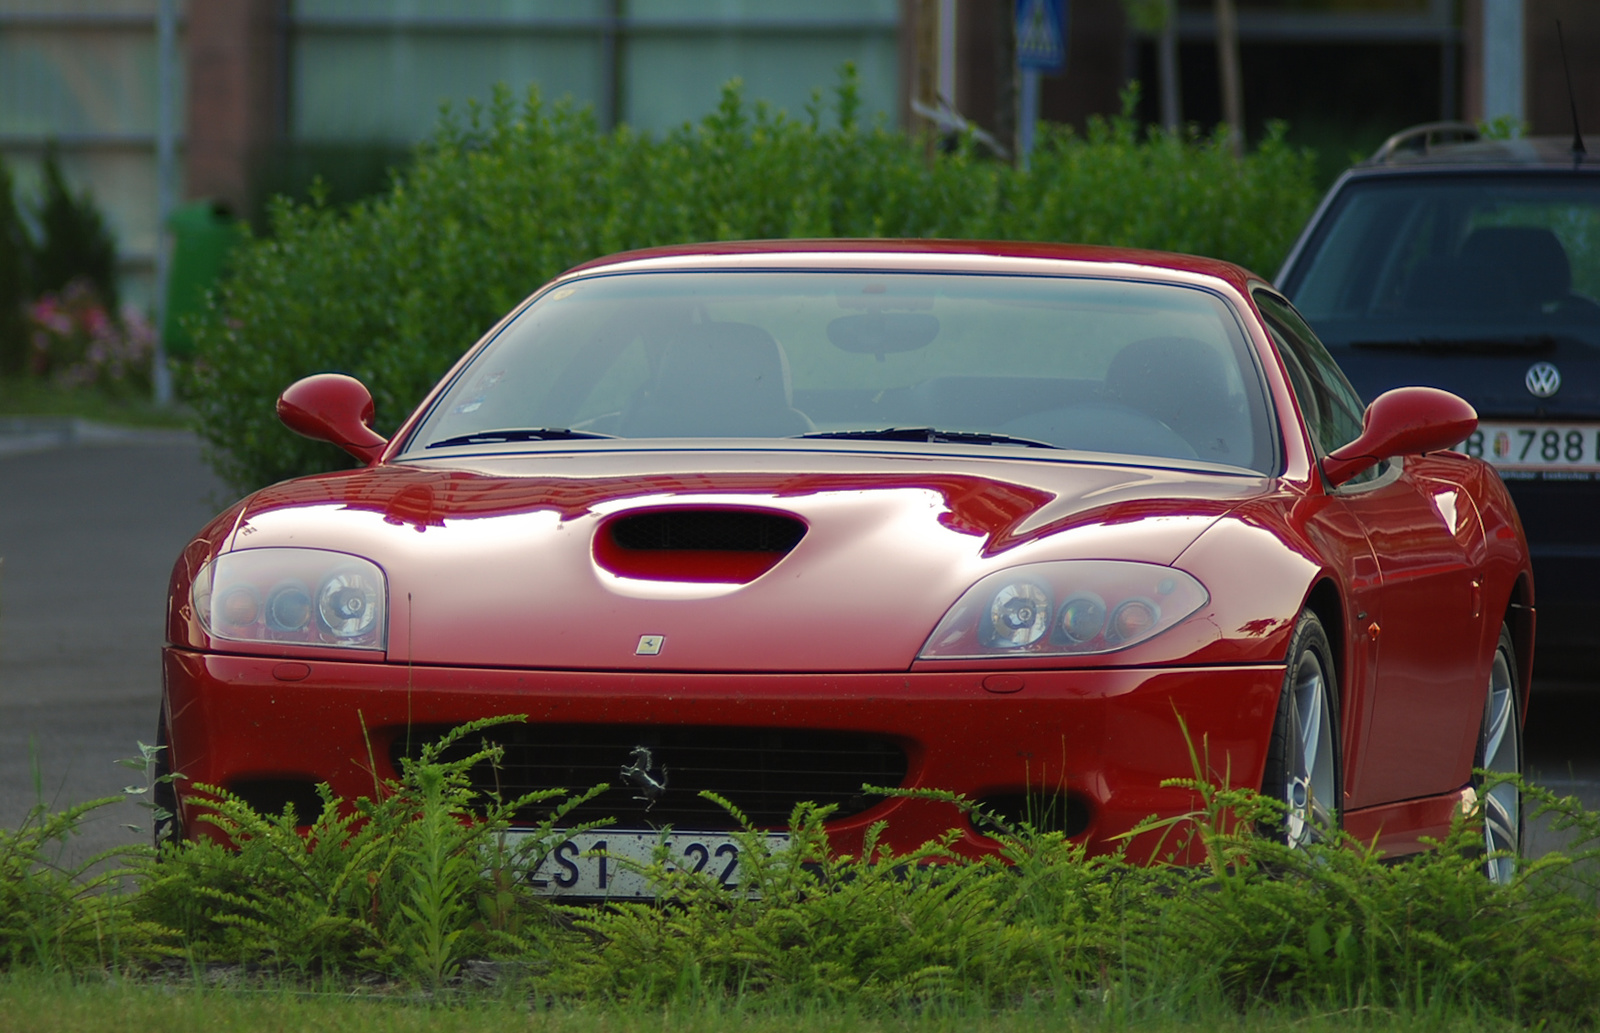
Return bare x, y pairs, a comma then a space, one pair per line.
414, 887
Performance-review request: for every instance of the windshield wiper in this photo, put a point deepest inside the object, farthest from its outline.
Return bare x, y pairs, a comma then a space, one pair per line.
488, 437
955, 437
1482, 345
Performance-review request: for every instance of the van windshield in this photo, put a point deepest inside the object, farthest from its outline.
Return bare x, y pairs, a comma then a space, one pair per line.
1486, 261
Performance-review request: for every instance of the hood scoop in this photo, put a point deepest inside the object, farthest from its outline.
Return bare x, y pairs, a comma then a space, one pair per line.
717, 546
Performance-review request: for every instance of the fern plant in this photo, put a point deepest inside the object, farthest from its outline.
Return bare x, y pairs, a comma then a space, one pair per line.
395, 883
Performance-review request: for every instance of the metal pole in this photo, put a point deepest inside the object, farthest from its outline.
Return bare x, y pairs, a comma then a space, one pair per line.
947, 52
925, 75
1167, 58
166, 182
1005, 76
610, 68
1502, 61
1029, 118
1448, 72
1228, 62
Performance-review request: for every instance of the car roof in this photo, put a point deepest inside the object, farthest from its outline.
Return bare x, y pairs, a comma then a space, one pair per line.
919, 254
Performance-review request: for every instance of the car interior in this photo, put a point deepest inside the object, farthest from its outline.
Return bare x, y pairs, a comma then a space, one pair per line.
1503, 270
1038, 371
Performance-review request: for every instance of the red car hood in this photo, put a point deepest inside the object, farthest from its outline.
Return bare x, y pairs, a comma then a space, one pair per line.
491, 561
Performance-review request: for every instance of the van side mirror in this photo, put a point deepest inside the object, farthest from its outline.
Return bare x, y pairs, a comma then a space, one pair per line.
1405, 421
334, 408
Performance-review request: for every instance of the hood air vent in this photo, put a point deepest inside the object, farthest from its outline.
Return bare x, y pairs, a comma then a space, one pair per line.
728, 546
720, 530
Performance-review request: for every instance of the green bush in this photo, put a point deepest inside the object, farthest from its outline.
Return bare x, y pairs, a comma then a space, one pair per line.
393, 289
408, 882
16, 278
59, 915
406, 890
416, 886
75, 243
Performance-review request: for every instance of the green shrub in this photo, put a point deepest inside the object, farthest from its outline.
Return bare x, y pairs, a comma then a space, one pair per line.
393, 289
408, 882
1258, 926
75, 243
414, 883
58, 915
16, 278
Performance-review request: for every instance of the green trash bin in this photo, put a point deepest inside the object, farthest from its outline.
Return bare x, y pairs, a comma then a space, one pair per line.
203, 233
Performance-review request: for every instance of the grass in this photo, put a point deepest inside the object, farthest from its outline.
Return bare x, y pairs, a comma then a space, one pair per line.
41, 1004
32, 397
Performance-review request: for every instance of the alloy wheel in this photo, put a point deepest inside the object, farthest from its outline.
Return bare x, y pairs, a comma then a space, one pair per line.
1499, 752
1310, 790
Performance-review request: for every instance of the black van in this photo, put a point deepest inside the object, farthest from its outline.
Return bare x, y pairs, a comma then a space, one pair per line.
1473, 265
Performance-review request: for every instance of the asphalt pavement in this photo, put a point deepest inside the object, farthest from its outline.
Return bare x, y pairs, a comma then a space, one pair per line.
91, 520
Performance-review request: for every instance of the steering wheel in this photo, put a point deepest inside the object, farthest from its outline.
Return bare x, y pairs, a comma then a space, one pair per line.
1102, 427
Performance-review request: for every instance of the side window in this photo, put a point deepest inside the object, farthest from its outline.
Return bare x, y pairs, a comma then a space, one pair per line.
1332, 409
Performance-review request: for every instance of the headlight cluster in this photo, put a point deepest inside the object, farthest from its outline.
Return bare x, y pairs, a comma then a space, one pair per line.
1064, 608
309, 596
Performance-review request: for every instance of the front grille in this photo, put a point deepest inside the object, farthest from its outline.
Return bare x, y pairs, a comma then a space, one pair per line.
762, 771
721, 530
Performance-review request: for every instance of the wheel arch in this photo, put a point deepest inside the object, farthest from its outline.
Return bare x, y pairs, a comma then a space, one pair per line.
1324, 601
1519, 617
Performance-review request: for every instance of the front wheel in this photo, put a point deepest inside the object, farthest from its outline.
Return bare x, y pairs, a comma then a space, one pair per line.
1303, 760
1500, 753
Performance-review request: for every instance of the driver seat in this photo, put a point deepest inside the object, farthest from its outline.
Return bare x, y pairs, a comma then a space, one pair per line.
717, 380
1183, 383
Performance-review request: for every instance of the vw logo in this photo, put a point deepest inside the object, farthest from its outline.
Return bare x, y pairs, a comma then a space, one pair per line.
1543, 379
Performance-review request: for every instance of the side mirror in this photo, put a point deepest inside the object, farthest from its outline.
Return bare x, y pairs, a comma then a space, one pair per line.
1405, 421
334, 408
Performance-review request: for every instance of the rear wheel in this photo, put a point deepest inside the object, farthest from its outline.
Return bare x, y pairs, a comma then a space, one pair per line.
1500, 753
1303, 758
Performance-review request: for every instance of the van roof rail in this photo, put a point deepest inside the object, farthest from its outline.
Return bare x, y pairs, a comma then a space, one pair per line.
1422, 137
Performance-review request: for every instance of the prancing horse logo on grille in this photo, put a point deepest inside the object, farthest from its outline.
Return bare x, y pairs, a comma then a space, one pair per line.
1543, 379
651, 787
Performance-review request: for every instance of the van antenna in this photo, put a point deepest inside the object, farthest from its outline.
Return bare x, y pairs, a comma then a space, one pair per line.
1578, 150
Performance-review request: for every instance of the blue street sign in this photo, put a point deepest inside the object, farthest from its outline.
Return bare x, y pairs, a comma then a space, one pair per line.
1042, 35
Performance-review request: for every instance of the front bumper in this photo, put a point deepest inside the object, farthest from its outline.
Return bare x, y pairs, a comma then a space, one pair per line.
1108, 737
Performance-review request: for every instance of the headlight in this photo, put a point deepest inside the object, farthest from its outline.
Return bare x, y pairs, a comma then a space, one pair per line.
1064, 608
308, 596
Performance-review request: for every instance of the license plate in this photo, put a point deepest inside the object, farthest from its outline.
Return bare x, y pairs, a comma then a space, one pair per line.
1553, 451
605, 863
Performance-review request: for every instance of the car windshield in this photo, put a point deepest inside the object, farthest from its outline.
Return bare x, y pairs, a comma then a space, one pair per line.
1004, 361
1473, 262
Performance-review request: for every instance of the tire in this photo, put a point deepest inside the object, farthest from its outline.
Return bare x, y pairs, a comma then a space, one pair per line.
1500, 753
1303, 761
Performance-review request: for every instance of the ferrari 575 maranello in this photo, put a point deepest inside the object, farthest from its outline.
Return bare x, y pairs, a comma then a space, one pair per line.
789, 520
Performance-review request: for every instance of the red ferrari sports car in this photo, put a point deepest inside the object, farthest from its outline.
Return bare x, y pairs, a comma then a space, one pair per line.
786, 520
